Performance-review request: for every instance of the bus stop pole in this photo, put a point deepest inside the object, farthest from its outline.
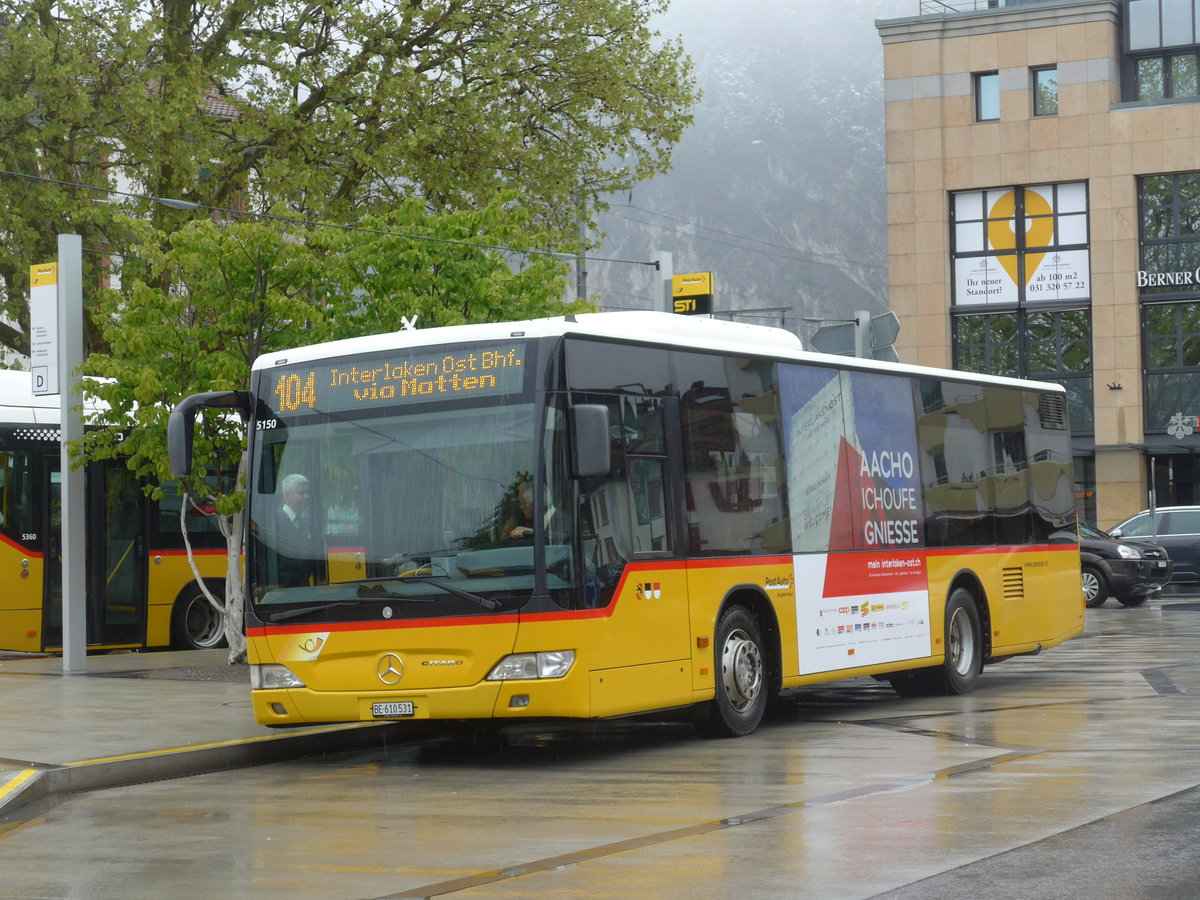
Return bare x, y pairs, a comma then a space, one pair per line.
73, 538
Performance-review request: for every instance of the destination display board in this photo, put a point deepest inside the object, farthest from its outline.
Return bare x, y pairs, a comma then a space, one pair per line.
416, 375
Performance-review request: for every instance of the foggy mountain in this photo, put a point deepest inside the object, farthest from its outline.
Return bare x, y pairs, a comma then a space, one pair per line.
778, 186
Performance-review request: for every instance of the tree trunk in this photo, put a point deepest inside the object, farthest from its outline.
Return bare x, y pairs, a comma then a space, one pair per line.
235, 590
234, 607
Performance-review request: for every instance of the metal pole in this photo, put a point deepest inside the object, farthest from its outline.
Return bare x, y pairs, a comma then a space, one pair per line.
666, 271
862, 333
581, 258
1152, 496
73, 540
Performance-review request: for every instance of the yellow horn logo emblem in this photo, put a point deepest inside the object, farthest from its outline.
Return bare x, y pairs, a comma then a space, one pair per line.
1039, 231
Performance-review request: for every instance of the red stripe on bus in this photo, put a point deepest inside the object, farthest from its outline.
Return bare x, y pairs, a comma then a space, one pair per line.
20, 547
386, 625
633, 570
739, 561
1001, 549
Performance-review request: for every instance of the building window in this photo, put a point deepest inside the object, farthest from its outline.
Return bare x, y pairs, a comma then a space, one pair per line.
1045, 92
1020, 245
987, 96
1168, 76
1169, 286
1171, 335
1170, 227
1049, 345
1151, 24
987, 343
1022, 286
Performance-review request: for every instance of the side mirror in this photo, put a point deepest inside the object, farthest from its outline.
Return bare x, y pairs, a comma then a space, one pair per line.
590, 453
1116, 532
181, 424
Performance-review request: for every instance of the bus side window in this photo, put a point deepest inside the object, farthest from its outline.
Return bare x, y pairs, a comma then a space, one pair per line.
18, 517
645, 457
203, 530
1051, 474
732, 456
604, 515
956, 457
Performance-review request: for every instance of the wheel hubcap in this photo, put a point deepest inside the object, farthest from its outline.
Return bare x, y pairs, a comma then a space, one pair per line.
1090, 586
741, 670
204, 625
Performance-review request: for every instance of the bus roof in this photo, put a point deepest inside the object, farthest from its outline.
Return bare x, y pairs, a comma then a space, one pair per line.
19, 405
637, 326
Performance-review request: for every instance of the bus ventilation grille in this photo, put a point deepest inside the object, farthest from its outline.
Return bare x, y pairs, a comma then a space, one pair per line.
1014, 583
1054, 411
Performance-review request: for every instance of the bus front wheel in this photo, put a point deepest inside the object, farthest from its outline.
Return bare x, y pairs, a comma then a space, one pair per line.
195, 625
741, 675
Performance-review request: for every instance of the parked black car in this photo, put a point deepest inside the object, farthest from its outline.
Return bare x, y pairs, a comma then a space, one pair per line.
1127, 570
1177, 528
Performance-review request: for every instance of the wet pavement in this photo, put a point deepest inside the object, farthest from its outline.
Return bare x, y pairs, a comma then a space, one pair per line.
1074, 773
136, 717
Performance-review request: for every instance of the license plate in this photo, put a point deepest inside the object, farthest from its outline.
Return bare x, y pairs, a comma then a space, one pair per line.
396, 710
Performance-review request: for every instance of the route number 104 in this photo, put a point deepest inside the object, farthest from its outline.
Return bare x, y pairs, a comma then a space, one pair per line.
295, 391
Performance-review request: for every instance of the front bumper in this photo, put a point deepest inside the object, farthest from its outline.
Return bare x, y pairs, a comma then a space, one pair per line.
1136, 577
540, 698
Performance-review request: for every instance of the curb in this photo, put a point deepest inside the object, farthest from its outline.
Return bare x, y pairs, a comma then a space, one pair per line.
37, 782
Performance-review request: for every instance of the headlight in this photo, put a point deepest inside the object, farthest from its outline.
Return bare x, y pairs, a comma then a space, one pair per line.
269, 678
1128, 552
523, 666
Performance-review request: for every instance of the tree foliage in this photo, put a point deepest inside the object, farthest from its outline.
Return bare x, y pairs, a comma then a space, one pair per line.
236, 291
336, 110
413, 125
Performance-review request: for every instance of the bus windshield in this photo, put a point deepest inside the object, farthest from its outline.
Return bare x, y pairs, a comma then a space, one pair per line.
420, 512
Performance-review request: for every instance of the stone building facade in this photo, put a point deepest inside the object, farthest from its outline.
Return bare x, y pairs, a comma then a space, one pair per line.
1043, 181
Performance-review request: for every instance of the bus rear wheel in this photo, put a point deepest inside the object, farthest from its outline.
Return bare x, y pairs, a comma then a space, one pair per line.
741, 674
959, 674
195, 625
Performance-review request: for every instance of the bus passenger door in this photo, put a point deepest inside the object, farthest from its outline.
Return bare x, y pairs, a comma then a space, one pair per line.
637, 653
656, 583
115, 566
52, 618
116, 554
22, 546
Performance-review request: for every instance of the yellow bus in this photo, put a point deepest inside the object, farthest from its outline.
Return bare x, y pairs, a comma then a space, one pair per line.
140, 589
611, 514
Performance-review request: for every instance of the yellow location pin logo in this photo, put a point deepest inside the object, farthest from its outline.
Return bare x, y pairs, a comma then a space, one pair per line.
1038, 233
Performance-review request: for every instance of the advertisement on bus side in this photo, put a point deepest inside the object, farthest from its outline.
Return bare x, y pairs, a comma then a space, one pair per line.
854, 493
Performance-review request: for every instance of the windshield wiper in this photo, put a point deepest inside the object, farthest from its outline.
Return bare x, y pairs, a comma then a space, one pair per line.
376, 591
486, 602
364, 593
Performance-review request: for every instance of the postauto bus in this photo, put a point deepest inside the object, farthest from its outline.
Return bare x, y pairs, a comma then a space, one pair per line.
717, 515
141, 592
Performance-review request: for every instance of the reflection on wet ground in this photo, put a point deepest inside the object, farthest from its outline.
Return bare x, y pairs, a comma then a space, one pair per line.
1069, 774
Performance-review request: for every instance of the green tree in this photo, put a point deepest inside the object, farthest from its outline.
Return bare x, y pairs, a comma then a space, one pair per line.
238, 290
335, 110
